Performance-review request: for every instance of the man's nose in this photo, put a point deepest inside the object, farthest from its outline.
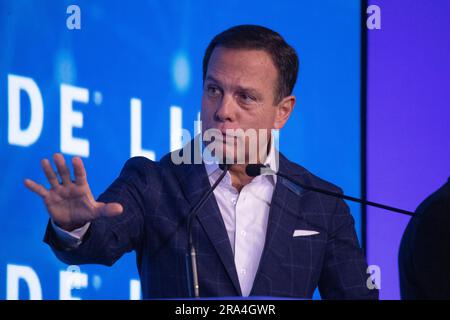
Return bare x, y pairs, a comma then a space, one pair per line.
226, 109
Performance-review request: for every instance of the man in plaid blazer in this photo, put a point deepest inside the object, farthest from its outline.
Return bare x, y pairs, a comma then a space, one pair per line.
156, 196
261, 236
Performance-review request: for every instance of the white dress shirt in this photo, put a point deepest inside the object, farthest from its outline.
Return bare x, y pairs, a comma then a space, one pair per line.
245, 214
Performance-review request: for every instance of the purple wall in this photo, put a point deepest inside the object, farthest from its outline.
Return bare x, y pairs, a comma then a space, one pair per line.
408, 121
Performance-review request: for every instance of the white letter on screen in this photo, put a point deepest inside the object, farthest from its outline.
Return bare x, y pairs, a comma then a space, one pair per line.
72, 119
135, 290
16, 135
136, 131
69, 280
15, 273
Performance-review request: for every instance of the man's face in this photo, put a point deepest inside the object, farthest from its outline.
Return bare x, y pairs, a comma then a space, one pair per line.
239, 93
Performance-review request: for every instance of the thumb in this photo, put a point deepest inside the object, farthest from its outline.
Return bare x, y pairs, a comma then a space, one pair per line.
109, 209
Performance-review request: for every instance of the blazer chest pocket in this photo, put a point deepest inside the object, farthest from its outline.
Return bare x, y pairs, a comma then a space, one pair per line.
308, 237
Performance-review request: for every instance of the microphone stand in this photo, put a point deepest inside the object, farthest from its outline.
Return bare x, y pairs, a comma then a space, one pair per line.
191, 254
254, 170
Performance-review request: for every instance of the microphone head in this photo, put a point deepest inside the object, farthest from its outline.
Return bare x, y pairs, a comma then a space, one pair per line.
254, 170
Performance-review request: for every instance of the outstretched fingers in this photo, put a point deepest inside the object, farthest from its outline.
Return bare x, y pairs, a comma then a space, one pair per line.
36, 187
110, 209
79, 171
50, 173
63, 170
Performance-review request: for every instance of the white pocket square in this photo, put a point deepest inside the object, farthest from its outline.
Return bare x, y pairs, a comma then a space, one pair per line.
303, 233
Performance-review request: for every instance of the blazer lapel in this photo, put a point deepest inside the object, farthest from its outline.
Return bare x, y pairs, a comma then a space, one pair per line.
283, 215
195, 183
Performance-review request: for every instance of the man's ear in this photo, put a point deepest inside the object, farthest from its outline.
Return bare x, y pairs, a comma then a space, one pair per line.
284, 110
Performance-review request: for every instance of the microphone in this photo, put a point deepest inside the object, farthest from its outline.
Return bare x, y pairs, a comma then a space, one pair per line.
191, 254
254, 170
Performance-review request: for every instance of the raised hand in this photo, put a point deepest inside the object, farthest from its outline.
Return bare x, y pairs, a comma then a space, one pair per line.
70, 203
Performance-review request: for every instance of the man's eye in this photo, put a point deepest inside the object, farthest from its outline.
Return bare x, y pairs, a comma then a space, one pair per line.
213, 91
246, 98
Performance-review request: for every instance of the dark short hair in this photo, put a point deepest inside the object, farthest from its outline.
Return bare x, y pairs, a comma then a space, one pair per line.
256, 37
